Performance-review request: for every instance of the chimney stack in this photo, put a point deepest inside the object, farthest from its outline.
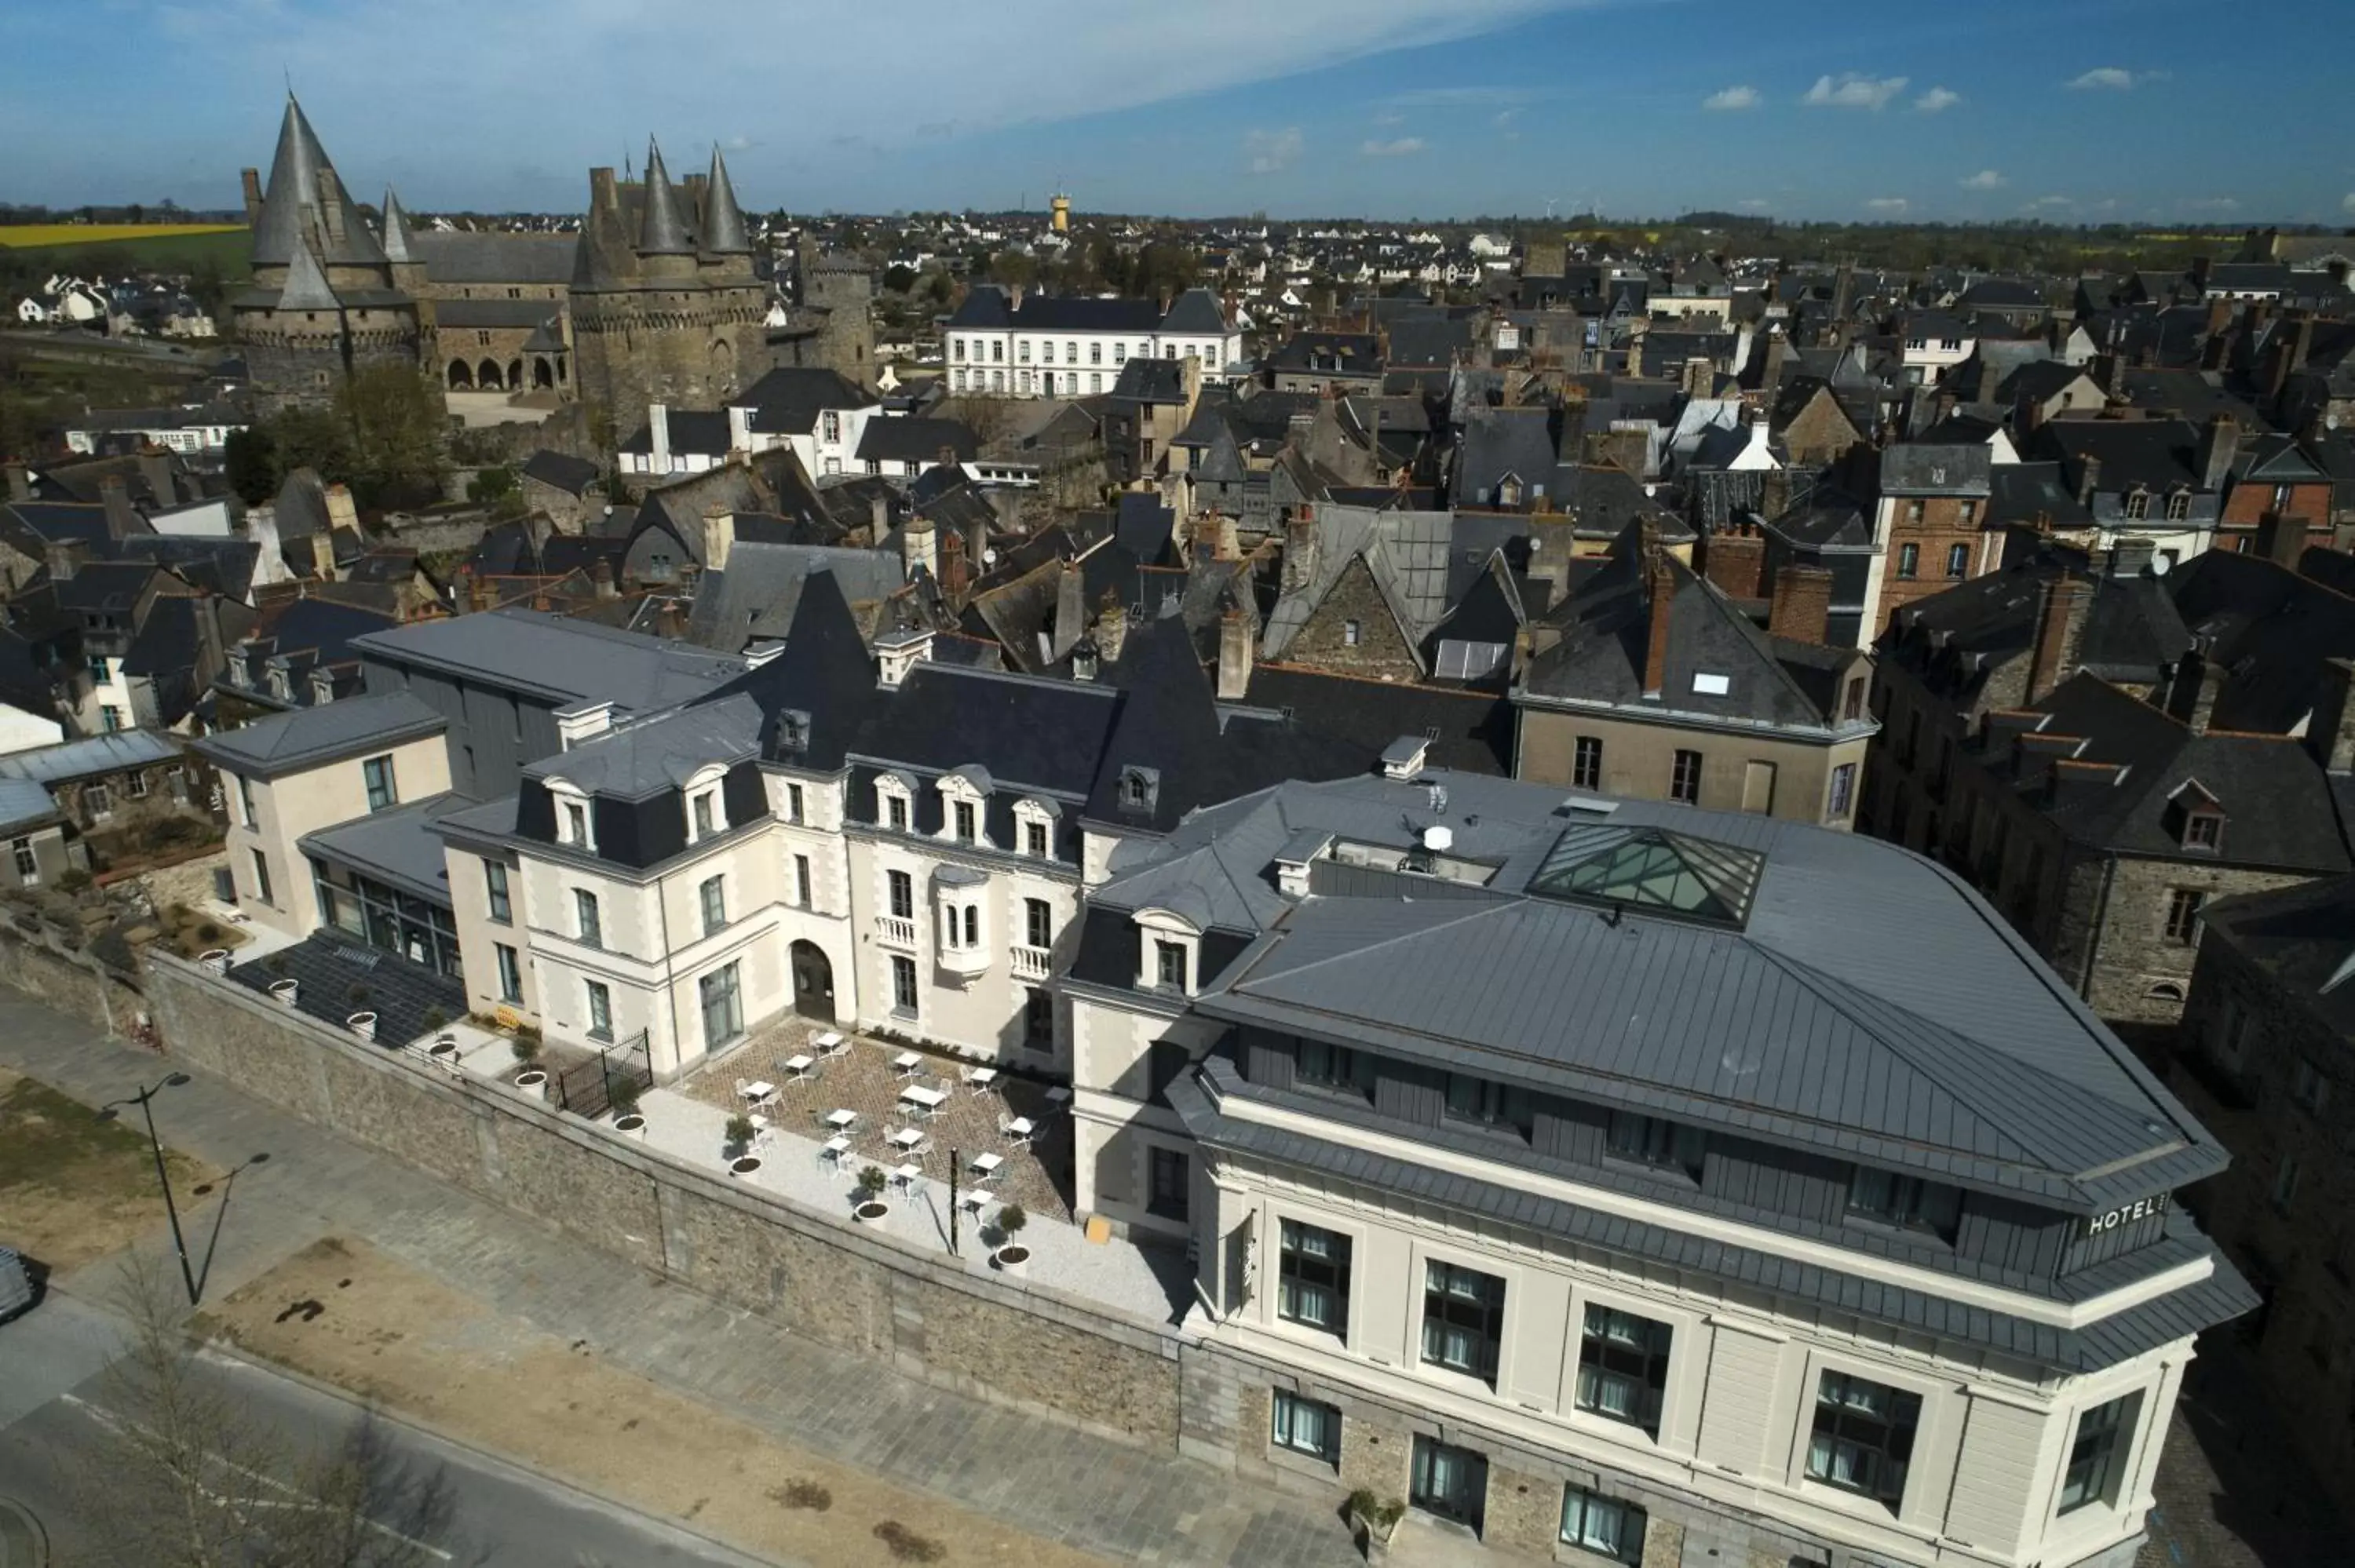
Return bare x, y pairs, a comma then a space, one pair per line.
920, 546
1733, 557
2330, 727
718, 538
1236, 651
155, 468
2199, 681
1111, 626
601, 573
122, 519
1070, 610
955, 577
1299, 550
2220, 443
658, 426
2282, 539
2060, 628
2090, 481
1659, 596
20, 479
1801, 610
65, 558
878, 519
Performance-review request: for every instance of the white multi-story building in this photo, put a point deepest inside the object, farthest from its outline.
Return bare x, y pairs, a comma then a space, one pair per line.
1022, 344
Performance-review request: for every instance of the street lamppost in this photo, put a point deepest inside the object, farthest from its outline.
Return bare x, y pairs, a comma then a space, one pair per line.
106, 1113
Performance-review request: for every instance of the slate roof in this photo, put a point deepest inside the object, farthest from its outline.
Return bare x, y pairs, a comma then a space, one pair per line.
659, 755
461, 256
1922, 468
283, 743
397, 847
788, 399
918, 439
290, 204
25, 803
755, 596
987, 307
2302, 938
558, 470
1498, 443
90, 757
1407, 553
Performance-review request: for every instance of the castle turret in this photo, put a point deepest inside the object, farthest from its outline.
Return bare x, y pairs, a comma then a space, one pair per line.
723, 229
662, 229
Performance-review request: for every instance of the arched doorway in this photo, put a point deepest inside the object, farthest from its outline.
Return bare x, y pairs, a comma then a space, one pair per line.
514, 374
487, 376
813, 980
543, 376
462, 378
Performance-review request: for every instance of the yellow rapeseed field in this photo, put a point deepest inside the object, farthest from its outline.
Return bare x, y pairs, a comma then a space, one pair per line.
30, 236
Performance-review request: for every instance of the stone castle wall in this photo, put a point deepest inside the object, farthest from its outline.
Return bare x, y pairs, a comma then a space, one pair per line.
686, 346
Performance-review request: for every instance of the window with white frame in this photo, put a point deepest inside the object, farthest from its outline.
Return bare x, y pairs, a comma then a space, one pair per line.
29, 867
573, 825
708, 817
713, 895
904, 985
1607, 1527
601, 1010
1306, 1426
1623, 1367
2097, 1454
891, 804
1862, 1440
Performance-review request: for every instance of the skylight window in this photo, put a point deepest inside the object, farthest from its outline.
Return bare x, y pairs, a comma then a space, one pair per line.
1711, 685
1651, 870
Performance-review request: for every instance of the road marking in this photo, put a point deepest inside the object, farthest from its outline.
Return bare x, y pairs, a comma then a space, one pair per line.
119, 1423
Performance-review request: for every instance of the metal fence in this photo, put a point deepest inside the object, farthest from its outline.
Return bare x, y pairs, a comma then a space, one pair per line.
586, 1089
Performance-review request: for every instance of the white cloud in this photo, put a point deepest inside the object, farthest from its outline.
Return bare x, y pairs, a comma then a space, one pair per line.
1733, 98
1937, 100
1476, 94
1854, 91
1271, 151
1985, 180
2114, 79
1402, 147
2348, 201
2208, 204
2048, 203
1888, 204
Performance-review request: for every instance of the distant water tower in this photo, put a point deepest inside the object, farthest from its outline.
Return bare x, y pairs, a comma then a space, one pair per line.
1062, 206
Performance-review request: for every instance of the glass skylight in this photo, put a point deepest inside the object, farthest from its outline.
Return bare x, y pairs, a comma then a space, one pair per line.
1652, 870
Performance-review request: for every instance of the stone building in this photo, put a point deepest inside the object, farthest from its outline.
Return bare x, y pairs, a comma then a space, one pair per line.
831, 325
2264, 1059
666, 306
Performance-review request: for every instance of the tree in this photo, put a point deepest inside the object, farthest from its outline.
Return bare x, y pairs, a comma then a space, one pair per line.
986, 418
395, 417
190, 1477
1014, 270
898, 278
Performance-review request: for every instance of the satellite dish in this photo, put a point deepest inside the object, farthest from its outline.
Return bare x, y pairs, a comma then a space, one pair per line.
1438, 838
2159, 564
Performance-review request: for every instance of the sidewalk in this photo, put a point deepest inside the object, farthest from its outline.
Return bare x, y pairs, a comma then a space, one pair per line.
1086, 1492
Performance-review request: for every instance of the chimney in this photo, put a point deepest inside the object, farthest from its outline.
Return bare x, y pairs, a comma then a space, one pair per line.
322, 555
658, 426
2220, 443
2060, 628
897, 653
878, 519
65, 558
1700, 376
1070, 610
920, 546
2220, 317
20, 480
601, 573
250, 179
1778, 351
2199, 680
1236, 650
2330, 727
584, 722
2089, 481
1774, 493
2282, 539
955, 575
740, 428
2132, 555
1802, 606
1111, 626
1299, 550
1734, 558
155, 468
1659, 593
718, 538
122, 519
605, 196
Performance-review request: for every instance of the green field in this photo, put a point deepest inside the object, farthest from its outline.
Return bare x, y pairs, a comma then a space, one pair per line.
225, 252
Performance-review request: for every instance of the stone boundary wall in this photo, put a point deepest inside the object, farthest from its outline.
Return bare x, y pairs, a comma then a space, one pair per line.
47, 962
835, 1282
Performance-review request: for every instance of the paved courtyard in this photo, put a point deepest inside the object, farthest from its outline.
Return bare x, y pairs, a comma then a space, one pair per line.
864, 1079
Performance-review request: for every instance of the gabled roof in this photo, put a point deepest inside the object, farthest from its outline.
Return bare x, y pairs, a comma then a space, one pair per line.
788, 399
90, 757
287, 742
1407, 552
302, 181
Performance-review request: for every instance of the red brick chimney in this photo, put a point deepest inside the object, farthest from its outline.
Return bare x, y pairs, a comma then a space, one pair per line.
1659, 593
2060, 628
1734, 558
1802, 606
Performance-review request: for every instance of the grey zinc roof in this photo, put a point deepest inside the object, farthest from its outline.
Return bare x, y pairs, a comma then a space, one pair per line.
24, 802
723, 220
469, 256
290, 208
90, 757
1854, 1011
1407, 552
398, 846
297, 740
559, 657
755, 595
660, 754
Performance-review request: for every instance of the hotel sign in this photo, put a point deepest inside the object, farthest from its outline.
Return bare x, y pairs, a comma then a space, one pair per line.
2126, 1214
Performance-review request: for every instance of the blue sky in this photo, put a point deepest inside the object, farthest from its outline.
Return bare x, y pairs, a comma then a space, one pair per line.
2143, 111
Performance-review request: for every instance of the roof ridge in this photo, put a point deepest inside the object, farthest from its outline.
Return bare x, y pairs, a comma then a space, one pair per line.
1472, 910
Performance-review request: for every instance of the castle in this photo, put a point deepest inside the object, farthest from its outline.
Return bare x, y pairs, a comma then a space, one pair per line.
654, 301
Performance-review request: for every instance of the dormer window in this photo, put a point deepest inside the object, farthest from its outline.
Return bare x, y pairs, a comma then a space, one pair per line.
1508, 493
706, 822
793, 730
2137, 504
967, 821
280, 687
2203, 830
2179, 506
892, 803
1139, 788
1034, 828
572, 825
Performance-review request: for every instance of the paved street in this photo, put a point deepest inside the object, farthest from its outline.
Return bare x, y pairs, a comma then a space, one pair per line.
51, 1427
1087, 1493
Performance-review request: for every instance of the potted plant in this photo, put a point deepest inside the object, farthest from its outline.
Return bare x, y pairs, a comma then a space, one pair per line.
1011, 1255
215, 959
285, 990
739, 1133
526, 1048
623, 1098
870, 1206
1371, 1521
362, 1025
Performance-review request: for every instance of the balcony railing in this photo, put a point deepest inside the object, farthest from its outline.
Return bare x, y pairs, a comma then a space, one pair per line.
964, 961
1030, 963
895, 931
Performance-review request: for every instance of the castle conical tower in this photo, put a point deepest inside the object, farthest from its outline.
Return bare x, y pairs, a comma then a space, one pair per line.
666, 306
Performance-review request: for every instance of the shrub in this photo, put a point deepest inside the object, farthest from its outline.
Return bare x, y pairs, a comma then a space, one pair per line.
802, 1494
871, 1179
436, 1018
356, 993
1010, 1221
276, 964
623, 1096
208, 932
739, 1130
906, 1546
525, 1047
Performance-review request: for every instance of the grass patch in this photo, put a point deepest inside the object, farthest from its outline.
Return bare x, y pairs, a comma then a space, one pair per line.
226, 251
906, 1546
73, 1188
